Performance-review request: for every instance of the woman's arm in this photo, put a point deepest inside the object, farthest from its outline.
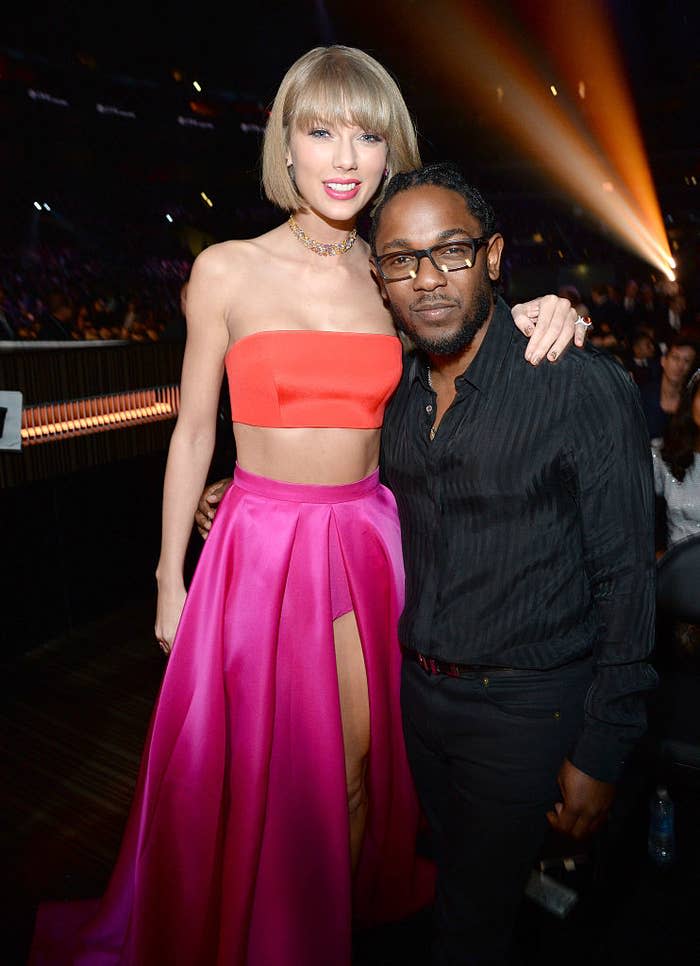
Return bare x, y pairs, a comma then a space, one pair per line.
193, 439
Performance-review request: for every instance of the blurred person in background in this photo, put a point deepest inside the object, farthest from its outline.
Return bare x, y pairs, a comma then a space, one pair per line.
642, 360
677, 466
661, 397
677, 484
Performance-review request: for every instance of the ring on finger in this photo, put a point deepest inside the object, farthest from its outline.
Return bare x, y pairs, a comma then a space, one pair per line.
584, 320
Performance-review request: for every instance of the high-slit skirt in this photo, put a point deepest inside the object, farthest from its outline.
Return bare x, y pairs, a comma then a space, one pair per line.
236, 850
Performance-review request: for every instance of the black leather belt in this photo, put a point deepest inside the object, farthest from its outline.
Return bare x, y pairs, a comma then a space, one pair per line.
432, 666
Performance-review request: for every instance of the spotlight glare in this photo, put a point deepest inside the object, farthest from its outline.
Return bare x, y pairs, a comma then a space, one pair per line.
598, 158
169, 218
197, 86
37, 206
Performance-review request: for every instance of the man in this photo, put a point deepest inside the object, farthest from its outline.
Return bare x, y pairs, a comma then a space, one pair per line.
526, 504
661, 397
606, 313
642, 361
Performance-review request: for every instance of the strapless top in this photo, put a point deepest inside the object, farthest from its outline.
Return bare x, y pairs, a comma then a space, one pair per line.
313, 378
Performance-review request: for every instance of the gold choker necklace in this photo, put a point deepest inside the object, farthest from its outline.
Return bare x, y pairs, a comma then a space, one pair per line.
335, 248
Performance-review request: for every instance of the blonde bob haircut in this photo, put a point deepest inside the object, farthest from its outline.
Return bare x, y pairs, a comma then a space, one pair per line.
335, 85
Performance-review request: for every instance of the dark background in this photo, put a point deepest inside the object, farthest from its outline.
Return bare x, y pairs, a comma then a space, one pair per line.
110, 179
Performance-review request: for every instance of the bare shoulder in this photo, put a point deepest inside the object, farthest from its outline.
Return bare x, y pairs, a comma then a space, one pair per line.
221, 259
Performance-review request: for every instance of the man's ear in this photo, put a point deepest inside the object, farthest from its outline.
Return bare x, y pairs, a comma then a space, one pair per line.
493, 257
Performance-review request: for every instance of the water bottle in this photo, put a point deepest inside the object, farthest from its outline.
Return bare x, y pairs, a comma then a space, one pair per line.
661, 842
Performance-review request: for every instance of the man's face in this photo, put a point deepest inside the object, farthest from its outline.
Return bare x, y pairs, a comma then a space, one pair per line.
441, 312
677, 363
644, 347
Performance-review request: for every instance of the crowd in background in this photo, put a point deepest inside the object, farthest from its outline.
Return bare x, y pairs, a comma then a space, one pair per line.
56, 293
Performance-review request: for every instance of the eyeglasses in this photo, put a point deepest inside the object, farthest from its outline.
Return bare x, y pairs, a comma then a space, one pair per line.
448, 257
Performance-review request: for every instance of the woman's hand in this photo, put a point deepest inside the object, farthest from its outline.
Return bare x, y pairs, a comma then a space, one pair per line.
550, 323
208, 505
171, 600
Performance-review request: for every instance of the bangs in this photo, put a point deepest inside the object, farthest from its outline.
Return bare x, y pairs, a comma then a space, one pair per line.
340, 96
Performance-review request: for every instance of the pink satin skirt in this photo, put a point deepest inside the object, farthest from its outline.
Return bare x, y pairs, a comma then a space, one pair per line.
236, 850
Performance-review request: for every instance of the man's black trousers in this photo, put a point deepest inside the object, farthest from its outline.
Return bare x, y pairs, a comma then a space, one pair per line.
485, 750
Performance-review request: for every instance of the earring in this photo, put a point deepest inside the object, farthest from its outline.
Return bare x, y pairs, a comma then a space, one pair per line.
386, 171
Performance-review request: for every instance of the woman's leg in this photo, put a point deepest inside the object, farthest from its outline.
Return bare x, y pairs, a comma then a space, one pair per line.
354, 709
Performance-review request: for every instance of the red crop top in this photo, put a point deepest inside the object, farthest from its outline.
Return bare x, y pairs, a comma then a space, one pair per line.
315, 378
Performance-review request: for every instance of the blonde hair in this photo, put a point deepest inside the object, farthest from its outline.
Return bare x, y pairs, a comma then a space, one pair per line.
332, 85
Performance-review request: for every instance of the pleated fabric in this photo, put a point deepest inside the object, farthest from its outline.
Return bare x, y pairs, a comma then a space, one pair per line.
236, 849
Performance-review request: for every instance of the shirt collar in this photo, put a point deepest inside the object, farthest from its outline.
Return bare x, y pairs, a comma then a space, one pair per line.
483, 370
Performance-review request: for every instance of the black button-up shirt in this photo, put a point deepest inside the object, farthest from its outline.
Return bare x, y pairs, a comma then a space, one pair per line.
528, 525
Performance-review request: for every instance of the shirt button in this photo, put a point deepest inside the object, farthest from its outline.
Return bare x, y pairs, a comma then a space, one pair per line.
428, 408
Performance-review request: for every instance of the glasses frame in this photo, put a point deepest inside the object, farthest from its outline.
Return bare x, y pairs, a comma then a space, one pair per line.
421, 253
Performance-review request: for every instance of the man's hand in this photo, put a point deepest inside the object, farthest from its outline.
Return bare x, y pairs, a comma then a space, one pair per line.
586, 803
208, 505
550, 323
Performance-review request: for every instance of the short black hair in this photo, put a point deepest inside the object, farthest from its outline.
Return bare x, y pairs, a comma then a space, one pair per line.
440, 174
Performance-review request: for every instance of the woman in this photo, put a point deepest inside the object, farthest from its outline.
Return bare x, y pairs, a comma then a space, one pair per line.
677, 483
677, 467
265, 819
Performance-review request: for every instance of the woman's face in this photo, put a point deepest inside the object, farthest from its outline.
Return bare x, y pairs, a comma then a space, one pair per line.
337, 168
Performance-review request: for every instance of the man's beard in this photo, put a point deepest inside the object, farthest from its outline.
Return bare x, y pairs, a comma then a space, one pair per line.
450, 345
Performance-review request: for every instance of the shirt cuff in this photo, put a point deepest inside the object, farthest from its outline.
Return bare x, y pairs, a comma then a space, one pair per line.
602, 756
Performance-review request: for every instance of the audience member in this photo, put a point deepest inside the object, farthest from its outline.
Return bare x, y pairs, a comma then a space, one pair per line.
660, 399
642, 360
677, 466
605, 311
673, 317
677, 483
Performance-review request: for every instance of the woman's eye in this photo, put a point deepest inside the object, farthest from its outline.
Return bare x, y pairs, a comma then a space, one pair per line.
318, 132
372, 138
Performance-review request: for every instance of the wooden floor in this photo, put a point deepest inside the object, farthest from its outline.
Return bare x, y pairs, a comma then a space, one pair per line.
74, 714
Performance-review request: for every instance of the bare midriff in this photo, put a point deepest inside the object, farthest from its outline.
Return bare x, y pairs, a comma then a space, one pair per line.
325, 456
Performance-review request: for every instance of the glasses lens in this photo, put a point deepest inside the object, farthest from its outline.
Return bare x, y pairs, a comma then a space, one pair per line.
456, 255
399, 266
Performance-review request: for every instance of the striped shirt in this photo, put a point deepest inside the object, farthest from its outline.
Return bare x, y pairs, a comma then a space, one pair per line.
528, 525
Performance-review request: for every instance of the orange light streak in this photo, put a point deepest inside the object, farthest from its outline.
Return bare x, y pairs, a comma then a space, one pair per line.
602, 165
611, 114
